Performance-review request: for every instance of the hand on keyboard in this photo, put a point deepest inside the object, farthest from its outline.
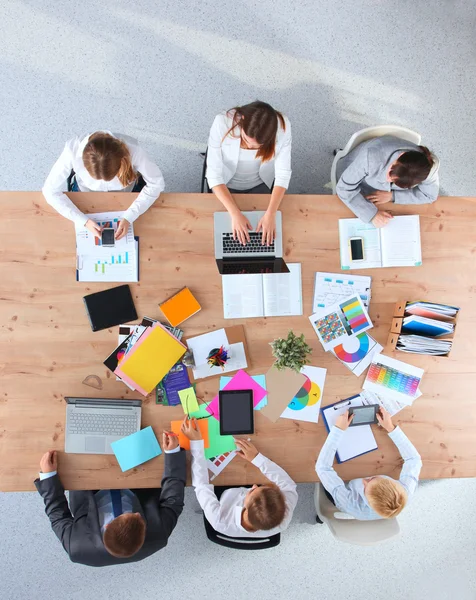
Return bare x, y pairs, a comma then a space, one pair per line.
240, 226
267, 224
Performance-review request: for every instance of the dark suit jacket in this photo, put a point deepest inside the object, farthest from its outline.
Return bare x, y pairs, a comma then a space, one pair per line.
81, 534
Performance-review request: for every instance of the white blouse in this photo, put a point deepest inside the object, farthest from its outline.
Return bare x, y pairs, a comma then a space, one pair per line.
247, 171
72, 159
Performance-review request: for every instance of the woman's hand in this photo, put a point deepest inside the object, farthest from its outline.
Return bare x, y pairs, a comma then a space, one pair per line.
380, 197
246, 450
94, 228
240, 226
343, 421
267, 224
381, 218
190, 429
121, 229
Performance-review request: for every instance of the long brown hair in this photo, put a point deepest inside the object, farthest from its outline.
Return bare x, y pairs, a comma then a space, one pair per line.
106, 157
259, 121
412, 167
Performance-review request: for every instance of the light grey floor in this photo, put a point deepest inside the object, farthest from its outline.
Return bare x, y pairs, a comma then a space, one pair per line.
160, 71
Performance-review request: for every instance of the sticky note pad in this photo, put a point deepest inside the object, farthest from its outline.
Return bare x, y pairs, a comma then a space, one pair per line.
188, 400
183, 439
136, 448
180, 307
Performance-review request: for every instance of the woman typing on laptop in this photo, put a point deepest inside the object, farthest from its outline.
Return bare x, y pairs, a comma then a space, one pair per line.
249, 148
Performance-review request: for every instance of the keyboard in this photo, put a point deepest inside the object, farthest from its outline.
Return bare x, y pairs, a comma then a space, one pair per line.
117, 425
231, 246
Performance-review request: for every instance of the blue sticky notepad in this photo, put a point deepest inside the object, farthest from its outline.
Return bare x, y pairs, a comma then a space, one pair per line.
260, 380
136, 449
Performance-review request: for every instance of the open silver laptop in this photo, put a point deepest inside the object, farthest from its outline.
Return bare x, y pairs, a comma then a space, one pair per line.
92, 424
235, 258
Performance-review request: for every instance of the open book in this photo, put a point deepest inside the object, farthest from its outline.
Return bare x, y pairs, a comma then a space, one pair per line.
395, 245
268, 295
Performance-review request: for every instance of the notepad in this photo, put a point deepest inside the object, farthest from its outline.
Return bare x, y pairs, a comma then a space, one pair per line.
269, 295
395, 245
188, 400
356, 440
136, 449
180, 307
150, 359
184, 442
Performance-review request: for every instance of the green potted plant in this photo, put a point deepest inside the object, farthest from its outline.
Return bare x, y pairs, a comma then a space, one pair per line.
291, 352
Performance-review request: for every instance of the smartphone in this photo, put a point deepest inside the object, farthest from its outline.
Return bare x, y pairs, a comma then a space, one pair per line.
107, 236
356, 245
364, 415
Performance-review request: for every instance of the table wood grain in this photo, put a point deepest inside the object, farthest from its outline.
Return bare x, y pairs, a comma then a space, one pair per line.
47, 347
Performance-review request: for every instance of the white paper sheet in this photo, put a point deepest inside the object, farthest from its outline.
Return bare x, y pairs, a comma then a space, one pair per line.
306, 404
202, 344
237, 361
401, 245
242, 296
402, 369
283, 292
223, 461
330, 288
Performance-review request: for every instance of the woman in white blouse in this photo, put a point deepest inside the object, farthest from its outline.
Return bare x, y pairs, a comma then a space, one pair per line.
249, 148
103, 162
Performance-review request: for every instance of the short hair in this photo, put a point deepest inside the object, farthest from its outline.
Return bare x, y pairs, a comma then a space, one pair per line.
387, 497
412, 167
125, 535
267, 507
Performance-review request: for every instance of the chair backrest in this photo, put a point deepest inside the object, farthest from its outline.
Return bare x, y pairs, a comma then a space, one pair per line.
367, 134
204, 189
241, 543
353, 531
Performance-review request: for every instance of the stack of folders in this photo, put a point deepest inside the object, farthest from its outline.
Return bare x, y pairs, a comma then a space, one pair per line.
432, 310
418, 344
425, 326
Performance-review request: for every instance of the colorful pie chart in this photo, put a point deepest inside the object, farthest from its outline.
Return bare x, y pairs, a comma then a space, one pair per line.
353, 349
309, 394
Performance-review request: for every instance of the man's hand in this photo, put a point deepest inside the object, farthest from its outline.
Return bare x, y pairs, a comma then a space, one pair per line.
49, 462
121, 229
190, 429
380, 197
381, 218
240, 226
343, 421
169, 440
385, 420
267, 224
246, 450
94, 228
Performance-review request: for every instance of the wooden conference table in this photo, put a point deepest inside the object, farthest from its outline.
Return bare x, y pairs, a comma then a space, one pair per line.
47, 347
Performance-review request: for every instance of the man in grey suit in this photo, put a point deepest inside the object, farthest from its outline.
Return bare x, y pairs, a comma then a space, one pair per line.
112, 527
386, 169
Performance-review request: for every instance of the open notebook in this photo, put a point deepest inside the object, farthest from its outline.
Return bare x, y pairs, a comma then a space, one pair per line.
269, 295
395, 245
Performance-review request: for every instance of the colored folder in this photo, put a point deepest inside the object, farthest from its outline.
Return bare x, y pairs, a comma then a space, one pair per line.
150, 359
137, 448
180, 307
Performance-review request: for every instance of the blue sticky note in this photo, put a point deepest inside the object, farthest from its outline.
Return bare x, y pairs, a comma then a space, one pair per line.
136, 448
260, 380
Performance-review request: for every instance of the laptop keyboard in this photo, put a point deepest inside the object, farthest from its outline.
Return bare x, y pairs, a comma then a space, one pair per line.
118, 425
231, 246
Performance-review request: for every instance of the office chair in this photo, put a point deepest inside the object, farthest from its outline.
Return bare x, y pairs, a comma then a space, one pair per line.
243, 543
367, 134
347, 529
204, 189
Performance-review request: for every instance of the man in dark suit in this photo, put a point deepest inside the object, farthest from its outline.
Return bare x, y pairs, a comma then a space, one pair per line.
112, 527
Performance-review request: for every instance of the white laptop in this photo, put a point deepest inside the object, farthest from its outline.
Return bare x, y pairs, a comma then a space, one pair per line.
92, 424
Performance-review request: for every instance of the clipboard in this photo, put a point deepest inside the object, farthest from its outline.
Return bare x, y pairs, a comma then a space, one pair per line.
355, 437
136, 238
235, 335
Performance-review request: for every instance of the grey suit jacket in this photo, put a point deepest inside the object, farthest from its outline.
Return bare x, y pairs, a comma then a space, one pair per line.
80, 533
365, 170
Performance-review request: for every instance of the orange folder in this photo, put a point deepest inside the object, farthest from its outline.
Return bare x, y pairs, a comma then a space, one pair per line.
180, 307
183, 439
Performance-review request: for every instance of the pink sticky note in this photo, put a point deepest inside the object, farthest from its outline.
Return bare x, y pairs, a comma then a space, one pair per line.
241, 381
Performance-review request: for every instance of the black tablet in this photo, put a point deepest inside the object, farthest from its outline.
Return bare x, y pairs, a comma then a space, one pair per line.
110, 307
364, 415
236, 412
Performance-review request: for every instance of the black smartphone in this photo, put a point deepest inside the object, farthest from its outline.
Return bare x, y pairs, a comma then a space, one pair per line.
356, 248
107, 236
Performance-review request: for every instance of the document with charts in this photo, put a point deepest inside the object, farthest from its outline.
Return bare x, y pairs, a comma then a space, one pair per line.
330, 288
397, 244
268, 295
94, 262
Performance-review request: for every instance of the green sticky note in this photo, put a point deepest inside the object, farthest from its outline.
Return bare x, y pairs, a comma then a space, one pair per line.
188, 400
218, 444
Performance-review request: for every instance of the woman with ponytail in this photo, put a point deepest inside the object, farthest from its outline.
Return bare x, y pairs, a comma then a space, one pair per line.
386, 169
249, 152
103, 162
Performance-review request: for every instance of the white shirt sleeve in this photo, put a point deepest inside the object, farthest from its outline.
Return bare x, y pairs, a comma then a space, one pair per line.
177, 449
214, 172
282, 161
279, 476
154, 183
413, 463
46, 475
203, 489
55, 186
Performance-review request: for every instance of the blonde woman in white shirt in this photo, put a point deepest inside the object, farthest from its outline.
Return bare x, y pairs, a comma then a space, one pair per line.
261, 511
249, 148
103, 162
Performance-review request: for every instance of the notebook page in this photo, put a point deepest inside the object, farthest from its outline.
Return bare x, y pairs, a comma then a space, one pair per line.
349, 228
242, 296
401, 245
282, 292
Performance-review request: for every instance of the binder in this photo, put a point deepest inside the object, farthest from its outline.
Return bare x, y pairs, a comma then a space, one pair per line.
360, 438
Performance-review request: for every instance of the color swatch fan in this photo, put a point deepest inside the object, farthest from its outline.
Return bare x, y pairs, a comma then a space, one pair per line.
356, 352
306, 403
